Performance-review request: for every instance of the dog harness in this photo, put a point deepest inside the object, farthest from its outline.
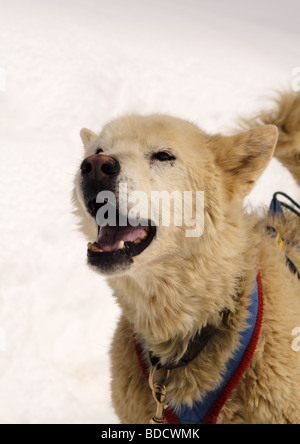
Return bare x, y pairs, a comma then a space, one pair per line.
276, 208
207, 410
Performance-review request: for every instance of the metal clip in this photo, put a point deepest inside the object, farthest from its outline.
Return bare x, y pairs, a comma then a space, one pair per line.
159, 392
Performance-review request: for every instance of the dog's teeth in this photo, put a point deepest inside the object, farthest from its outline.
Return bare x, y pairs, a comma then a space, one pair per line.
93, 247
121, 245
144, 235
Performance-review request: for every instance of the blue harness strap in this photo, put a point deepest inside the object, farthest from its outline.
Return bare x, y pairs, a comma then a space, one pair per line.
207, 410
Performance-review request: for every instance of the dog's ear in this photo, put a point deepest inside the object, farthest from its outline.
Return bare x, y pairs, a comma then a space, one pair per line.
245, 156
87, 136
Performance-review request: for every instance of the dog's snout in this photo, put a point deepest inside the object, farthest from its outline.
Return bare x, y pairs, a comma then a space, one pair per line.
98, 167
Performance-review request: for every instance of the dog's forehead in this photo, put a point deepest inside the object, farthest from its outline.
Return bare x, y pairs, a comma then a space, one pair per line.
146, 131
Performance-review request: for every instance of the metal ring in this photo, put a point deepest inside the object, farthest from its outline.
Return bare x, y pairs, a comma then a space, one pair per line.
151, 378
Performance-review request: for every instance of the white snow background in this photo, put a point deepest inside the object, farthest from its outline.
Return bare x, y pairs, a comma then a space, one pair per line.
70, 64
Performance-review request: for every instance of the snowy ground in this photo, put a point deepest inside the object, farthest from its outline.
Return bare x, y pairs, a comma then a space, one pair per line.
78, 63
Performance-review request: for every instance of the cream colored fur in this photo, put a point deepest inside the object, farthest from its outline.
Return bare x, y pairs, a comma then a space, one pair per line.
286, 116
179, 284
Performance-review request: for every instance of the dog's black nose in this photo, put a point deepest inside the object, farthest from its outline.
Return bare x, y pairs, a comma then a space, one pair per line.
99, 167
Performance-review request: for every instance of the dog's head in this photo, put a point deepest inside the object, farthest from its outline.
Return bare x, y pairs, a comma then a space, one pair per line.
157, 186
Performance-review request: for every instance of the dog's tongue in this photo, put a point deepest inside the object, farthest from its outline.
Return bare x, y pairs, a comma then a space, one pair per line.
110, 237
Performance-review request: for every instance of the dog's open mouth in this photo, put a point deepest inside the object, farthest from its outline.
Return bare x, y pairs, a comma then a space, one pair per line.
116, 245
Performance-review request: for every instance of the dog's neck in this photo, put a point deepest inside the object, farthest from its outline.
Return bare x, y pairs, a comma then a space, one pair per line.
167, 306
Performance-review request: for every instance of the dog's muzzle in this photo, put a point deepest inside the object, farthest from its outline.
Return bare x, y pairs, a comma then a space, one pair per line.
116, 245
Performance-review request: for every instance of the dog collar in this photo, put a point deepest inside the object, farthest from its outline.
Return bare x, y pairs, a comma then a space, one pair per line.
208, 410
194, 348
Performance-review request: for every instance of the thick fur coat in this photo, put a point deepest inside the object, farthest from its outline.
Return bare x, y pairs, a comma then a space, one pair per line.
179, 284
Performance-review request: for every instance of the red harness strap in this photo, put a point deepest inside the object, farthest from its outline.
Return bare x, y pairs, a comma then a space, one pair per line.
215, 410
170, 415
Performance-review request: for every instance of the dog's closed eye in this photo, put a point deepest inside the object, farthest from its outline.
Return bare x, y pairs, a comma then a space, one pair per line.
163, 156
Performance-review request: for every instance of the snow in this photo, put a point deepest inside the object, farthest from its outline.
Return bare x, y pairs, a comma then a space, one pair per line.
70, 64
